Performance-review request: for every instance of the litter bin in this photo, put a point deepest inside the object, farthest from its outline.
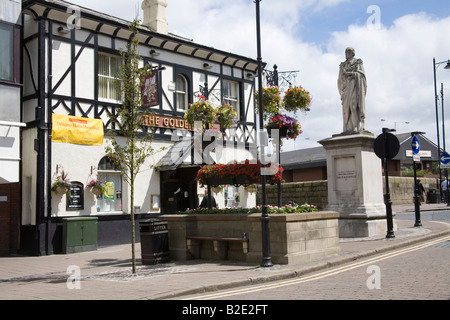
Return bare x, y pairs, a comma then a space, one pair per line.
433, 196
154, 235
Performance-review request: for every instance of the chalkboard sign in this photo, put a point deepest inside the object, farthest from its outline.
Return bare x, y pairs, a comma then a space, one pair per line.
76, 199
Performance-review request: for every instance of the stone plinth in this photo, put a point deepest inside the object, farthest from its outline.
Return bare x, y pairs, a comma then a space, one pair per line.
355, 185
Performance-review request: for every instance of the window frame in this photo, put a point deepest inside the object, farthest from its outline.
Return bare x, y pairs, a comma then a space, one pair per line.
15, 61
111, 169
110, 78
185, 93
228, 98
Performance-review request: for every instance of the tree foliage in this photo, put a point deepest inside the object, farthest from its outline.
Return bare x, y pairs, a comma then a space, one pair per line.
130, 153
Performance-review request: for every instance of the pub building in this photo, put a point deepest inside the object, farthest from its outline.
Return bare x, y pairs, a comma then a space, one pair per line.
70, 57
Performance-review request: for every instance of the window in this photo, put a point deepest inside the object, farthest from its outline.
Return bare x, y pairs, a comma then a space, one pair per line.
181, 90
7, 52
108, 69
230, 93
109, 174
232, 196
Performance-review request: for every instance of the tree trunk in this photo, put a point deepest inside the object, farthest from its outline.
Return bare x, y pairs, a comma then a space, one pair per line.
133, 234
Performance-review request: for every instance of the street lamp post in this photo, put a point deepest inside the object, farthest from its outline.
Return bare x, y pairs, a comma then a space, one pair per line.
266, 260
436, 98
443, 140
395, 123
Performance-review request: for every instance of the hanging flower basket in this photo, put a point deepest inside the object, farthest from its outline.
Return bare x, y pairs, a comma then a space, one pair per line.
217, 189
202, 111
282, 131
296, 98
251, 188
289, 127
237, 174
271, 100
225, 116
61, 185
61, 189
97, 187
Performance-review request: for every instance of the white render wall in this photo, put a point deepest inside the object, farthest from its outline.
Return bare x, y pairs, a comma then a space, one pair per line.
78, 160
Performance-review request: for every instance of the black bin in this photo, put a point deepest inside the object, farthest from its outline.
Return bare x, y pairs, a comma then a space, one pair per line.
154, 235
433, 196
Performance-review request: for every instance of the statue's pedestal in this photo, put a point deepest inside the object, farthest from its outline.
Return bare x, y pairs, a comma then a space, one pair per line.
355, 185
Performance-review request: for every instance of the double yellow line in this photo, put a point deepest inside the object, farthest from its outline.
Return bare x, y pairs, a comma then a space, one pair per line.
318, 276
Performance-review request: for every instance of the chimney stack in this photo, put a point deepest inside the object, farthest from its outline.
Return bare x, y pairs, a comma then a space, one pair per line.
155, 15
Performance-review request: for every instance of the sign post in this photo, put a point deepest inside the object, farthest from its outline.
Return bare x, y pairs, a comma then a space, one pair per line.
445, 164
415, 146
386, 147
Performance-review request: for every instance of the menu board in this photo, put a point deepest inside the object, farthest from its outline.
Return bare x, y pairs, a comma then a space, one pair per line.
75, 201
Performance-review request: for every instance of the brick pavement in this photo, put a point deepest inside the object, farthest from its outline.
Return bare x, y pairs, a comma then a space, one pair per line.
106, 272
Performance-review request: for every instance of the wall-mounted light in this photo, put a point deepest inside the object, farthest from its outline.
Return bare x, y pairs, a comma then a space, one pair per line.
153, 53
63, 30
207, 66
251, 75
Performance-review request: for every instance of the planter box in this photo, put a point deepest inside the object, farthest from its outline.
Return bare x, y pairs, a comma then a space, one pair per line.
294, 238
236, 181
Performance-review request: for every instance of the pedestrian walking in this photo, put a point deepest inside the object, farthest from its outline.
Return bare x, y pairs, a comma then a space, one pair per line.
420, 191
444, 185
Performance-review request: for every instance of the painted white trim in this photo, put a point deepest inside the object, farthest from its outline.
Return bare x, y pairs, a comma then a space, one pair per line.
12, 124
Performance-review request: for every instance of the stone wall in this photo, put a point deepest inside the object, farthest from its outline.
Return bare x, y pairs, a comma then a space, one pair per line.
294, 238
316, 192
313, 192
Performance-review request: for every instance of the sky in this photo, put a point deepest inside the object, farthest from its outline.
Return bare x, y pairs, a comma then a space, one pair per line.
396, 39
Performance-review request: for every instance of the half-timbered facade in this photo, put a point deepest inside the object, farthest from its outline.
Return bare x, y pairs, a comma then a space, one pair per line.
71, 56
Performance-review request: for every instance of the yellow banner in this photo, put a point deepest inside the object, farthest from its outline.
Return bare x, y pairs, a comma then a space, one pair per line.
77, 130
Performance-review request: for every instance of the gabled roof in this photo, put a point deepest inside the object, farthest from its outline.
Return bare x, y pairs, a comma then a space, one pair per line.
425, 145
56, 10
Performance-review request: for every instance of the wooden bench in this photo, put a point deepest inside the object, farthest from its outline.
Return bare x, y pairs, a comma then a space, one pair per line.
194, 245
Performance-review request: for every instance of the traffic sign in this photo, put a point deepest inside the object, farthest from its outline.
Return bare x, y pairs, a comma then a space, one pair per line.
445, 158
415, 145
386, 145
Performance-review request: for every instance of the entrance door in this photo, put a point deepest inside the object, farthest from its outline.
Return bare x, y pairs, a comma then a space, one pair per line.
179, 190
9, 218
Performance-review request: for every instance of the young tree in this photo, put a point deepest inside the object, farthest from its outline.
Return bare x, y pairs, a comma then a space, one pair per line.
130, 153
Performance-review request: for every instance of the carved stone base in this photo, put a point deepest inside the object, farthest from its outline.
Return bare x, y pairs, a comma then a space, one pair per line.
355, 186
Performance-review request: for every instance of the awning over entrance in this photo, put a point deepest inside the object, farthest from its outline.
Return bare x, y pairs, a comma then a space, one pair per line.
180, 155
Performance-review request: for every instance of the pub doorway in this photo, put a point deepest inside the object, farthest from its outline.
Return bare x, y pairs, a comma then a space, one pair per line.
179, 189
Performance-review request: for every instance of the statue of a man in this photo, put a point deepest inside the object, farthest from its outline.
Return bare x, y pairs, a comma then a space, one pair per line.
352, 87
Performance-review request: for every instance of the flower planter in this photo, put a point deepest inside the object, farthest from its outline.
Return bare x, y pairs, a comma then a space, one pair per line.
281, 131
219, 181
289, 127
244, 181
216, 190
237, 174
61, 190
296, 98
294, 238
97, 191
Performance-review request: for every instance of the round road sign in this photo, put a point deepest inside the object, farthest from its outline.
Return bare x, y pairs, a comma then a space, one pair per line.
415, 145
386, 145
